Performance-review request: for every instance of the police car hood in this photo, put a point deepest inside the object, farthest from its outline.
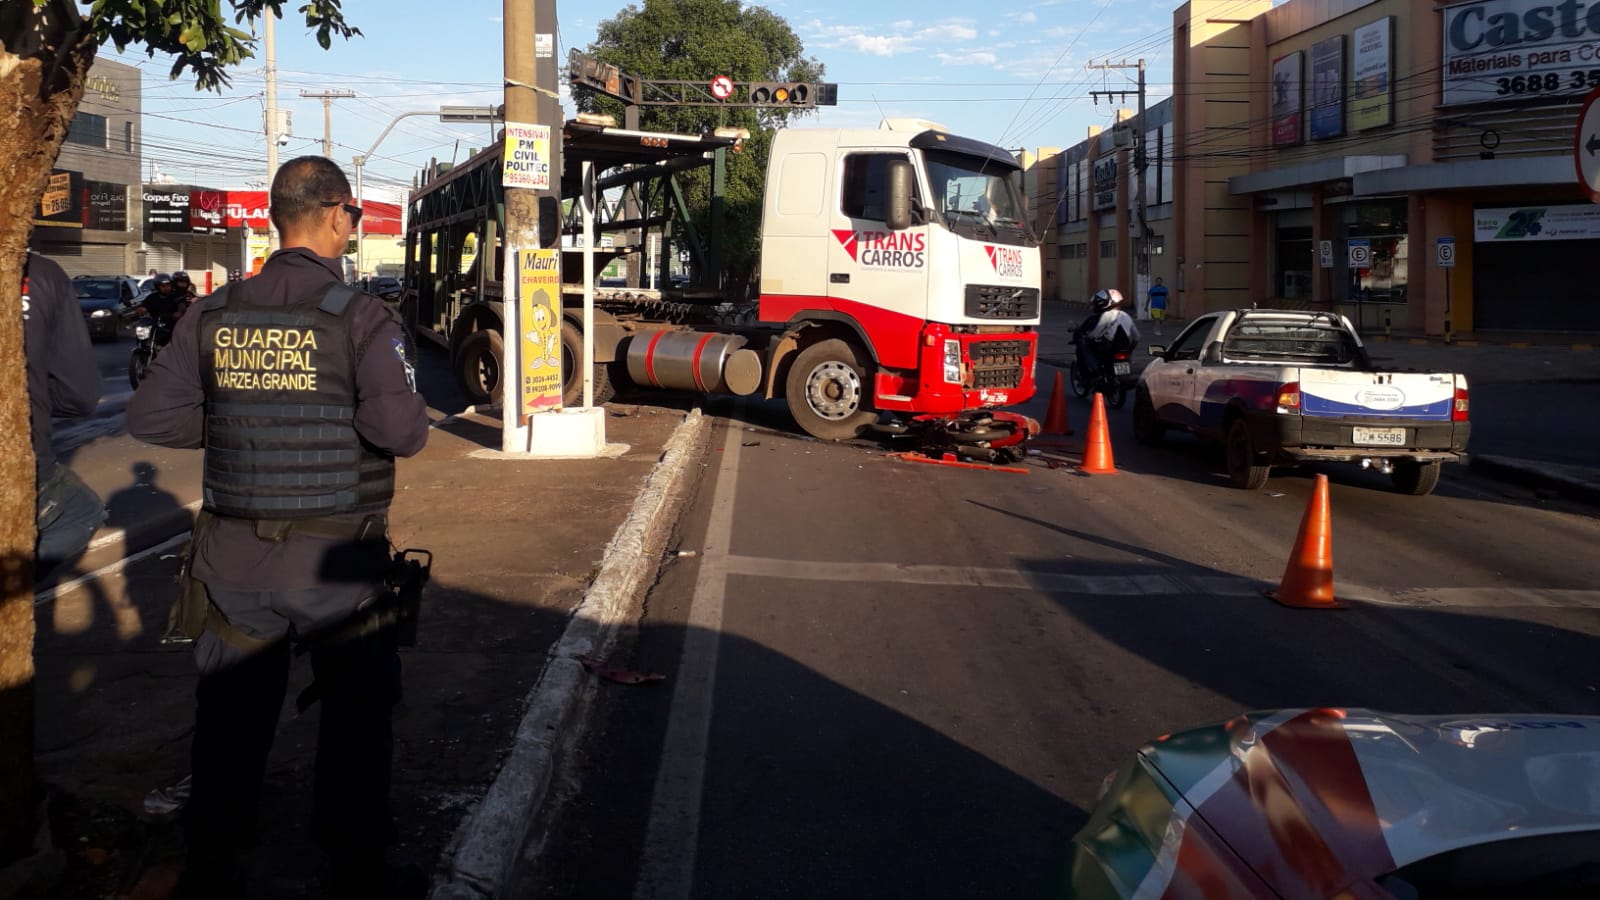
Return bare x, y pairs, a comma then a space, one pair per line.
1324, 802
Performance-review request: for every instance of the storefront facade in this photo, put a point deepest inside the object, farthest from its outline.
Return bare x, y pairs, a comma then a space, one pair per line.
1407, 164
1087, 207
88, 217
1413, 165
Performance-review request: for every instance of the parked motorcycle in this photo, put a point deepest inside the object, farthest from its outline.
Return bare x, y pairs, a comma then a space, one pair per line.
1113, 376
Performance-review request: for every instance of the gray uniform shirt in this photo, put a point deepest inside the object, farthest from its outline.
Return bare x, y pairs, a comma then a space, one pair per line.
169, 410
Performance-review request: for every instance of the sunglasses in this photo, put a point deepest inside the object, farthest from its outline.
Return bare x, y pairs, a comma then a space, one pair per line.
354, 211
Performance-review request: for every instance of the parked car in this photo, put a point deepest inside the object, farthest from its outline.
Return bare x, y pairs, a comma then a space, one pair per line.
383, 287
105, 301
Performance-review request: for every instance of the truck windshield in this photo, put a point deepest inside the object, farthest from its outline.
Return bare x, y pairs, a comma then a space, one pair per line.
977, 197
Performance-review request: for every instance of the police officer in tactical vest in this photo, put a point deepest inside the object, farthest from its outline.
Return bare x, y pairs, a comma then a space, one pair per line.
302, 392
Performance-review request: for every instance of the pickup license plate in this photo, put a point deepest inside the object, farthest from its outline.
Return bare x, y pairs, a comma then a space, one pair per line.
1120, 368
1379, 437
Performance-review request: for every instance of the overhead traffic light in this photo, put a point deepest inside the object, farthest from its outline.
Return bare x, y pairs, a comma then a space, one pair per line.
793, 93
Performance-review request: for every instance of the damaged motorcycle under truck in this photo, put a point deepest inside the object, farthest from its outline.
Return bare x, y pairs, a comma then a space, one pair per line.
899, 279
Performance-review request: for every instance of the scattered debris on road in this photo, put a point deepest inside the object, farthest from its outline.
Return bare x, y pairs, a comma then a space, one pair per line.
620, 676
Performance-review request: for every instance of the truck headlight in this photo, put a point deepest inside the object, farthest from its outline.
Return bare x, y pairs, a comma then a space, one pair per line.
952, 361
141, 332
100, 314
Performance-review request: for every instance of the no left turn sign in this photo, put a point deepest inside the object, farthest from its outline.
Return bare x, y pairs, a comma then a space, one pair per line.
722, 87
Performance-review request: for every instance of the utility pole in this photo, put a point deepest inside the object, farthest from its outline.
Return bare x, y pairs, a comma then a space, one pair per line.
521, 212
272, 122
327, 98
1141, 160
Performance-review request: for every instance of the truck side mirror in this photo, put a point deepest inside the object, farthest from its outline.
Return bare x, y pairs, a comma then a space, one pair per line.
1158, 351
897, 213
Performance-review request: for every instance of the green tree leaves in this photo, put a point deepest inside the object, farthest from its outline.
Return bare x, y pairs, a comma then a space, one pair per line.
696, 40
196, 34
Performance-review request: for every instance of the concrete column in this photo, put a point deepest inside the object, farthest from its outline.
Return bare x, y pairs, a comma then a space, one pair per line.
1323, 228
1091, 263
1124, 278
1263, 283
1421, 283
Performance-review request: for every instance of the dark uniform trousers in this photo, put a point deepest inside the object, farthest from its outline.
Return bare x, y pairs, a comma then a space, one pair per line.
240, 694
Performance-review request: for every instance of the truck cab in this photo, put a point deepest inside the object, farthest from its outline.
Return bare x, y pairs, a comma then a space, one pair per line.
910, 246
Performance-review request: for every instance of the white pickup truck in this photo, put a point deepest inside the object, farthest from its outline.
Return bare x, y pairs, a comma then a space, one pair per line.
1280, 388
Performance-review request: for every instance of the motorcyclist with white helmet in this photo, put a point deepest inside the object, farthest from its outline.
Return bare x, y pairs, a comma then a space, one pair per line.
1107, 328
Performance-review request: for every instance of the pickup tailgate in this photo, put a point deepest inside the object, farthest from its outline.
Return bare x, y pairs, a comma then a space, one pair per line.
1337, 393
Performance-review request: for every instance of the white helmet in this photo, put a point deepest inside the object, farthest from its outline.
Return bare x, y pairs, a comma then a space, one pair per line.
1106, 299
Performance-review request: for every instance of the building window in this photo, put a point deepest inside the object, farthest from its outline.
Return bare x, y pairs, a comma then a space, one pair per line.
87, 129
1295, 257
1108, 249
1382, 223
127, 136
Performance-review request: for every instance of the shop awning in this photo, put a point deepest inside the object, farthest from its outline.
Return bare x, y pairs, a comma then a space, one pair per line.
1526, 171
1306, 174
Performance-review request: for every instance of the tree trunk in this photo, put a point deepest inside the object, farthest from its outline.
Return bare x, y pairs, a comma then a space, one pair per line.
43, 62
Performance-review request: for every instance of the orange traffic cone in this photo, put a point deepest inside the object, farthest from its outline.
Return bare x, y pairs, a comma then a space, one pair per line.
1097, 446
1308, 579
1055, 419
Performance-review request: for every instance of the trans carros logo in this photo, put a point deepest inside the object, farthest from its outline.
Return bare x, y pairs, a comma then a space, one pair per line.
1007, 261
900, 251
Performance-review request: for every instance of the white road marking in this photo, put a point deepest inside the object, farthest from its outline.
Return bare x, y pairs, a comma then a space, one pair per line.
666, 871
67, 587
1146, 584
1010, 579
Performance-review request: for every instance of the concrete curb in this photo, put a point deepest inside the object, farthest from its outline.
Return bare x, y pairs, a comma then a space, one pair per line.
492, 837
1531, 474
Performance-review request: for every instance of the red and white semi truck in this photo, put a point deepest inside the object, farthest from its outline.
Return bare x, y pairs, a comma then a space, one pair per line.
899, 279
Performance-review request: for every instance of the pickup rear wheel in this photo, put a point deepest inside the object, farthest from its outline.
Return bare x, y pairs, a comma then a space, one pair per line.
1416, 478
827, 391
1147, 429
1246, 468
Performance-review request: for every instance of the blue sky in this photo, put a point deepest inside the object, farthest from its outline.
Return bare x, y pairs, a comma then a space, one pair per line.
1014, 76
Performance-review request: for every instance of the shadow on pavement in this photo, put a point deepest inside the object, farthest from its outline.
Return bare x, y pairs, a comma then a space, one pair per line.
1258, 655
811, 789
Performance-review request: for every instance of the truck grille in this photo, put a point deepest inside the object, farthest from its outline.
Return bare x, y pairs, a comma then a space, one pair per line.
990, 301
997, 364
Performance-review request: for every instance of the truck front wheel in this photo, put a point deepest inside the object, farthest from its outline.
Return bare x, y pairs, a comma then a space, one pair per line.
1416, 478
480, 360
827, 391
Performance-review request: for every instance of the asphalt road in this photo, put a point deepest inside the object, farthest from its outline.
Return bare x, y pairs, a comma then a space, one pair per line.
890, 679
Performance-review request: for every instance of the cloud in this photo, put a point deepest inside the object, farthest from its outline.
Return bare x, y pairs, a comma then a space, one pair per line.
972, 58
950, 31
897, 38
1027, 17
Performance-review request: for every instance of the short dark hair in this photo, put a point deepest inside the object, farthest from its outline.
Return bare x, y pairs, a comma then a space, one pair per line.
303, 185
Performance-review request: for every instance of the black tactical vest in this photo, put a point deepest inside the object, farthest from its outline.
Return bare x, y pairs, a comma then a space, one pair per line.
280, 392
